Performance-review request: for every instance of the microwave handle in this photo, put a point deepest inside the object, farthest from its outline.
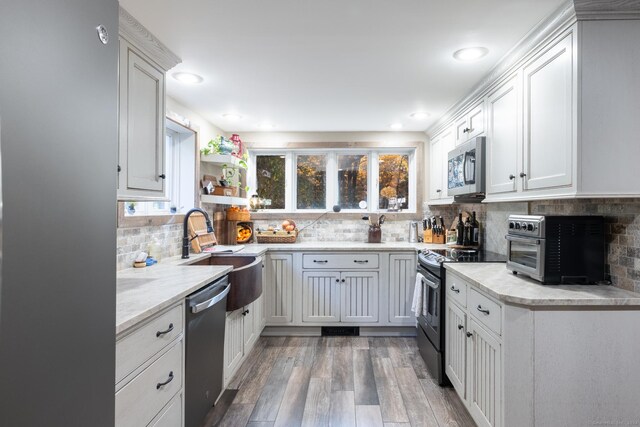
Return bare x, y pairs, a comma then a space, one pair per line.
464, 170
522, 239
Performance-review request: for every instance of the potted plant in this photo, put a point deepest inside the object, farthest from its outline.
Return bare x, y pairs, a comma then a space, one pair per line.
131, 207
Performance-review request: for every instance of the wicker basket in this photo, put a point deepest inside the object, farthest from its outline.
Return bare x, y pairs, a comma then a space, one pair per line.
238, 216
264, 236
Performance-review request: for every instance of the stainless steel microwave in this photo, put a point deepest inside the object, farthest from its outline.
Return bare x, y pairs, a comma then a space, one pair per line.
465, 170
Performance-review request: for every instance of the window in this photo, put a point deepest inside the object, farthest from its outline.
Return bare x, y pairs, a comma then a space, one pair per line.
315, 180
311, 182
393, 181
180, 170
270, 172
352, 180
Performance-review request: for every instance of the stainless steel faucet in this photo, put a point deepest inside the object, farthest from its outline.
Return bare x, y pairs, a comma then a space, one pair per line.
185, 231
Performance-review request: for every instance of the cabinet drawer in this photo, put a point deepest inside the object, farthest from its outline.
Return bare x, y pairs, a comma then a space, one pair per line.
488, 312
138, 402
457, 290
340, 261
137, 347
171, 415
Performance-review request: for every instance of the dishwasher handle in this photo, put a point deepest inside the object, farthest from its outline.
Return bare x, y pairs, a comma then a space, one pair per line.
211, 302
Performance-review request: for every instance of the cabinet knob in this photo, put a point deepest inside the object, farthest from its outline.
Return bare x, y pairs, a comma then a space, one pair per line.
119, 169
465, 130
438, 191
460, 327
337, 280
343, 280
469, 334
163, 176
512, 177
522, 174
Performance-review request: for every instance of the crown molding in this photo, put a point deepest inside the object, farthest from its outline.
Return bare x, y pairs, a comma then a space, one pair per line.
136, 34
588, 10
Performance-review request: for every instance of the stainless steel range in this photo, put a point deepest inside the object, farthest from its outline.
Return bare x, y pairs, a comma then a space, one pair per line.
431, 321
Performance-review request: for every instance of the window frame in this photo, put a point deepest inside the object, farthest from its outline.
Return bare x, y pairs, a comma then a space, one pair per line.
331, 188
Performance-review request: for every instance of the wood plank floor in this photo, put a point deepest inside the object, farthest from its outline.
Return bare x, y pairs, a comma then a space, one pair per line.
337, 381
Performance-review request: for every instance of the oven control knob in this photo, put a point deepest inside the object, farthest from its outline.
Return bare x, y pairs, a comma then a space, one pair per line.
523, 226
512, 225
529, 227
517, 226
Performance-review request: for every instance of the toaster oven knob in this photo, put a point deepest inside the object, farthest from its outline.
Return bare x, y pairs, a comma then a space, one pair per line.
517, 226
512, 225
523, 226
529, 227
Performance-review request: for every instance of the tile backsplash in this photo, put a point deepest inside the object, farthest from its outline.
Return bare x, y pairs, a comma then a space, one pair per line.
622, 218
133, 240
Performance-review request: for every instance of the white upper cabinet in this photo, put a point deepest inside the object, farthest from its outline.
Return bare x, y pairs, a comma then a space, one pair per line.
439, 150
504, 136
141, 138
548, 118
469, 125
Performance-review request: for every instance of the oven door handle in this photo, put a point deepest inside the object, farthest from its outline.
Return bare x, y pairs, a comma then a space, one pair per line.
522, 239
430, 283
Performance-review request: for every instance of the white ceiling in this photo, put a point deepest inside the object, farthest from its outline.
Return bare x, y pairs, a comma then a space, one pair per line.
332, 65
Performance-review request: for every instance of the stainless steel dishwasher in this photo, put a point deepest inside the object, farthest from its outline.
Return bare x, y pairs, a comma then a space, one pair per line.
204, 347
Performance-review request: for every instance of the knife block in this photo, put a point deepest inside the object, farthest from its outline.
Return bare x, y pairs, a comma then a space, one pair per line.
429, 237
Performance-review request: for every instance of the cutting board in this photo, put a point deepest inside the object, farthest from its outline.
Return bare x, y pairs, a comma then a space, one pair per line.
198, 227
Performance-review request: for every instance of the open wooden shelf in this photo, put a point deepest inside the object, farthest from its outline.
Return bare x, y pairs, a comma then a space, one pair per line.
223, 200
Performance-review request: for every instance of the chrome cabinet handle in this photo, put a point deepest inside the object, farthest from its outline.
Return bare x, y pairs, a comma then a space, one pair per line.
359, 261
320, 261
469, 334
454, 289
166, 382
482, 310
166, 331
460, 327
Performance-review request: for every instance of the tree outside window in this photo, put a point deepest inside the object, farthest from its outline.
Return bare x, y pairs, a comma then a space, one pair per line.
393, 178
311, 182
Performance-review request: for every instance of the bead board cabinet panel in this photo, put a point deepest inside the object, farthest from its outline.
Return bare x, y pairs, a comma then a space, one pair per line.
359, 297
402, 273
280, 288
320, 296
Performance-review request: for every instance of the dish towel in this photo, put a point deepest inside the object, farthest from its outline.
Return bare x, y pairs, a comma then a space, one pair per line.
416, 305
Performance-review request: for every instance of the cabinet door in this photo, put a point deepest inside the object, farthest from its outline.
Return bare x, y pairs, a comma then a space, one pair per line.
549, 109
249, 327
233, 343
461, 129
142, 138
504, 136
435, 170
448, 144
171, 415
359, 297
258, 317
402, 275
475, 119
456, 347
484, 377
279, 287
320, 296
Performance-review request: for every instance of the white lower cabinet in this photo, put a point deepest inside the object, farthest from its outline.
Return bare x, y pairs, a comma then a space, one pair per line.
150, 372
456, 347
279, 288
402, 277
359, 297
321, 296
242, 330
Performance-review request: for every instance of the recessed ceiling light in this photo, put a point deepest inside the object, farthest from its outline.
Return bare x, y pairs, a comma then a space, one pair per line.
420, 115
470, 53
266, 125
188, 78
396, 126
232, 116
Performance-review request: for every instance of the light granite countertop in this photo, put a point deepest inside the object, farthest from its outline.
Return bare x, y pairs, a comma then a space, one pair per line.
498, 282
341, 246
143, 292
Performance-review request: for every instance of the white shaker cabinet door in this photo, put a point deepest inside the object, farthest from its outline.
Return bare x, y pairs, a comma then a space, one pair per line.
504, 136
549, 118
456, 347
402, 275
484, 385
359, 297
279, 288
320, 296
435, 169
475, 119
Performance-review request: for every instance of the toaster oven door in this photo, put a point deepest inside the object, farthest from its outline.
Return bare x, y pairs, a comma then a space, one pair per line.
526, 255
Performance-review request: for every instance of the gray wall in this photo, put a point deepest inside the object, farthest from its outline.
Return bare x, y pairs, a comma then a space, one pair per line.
58, 113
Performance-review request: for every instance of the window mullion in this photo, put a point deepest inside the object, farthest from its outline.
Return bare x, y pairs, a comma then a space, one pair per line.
291, 182
332, 180
373, 182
